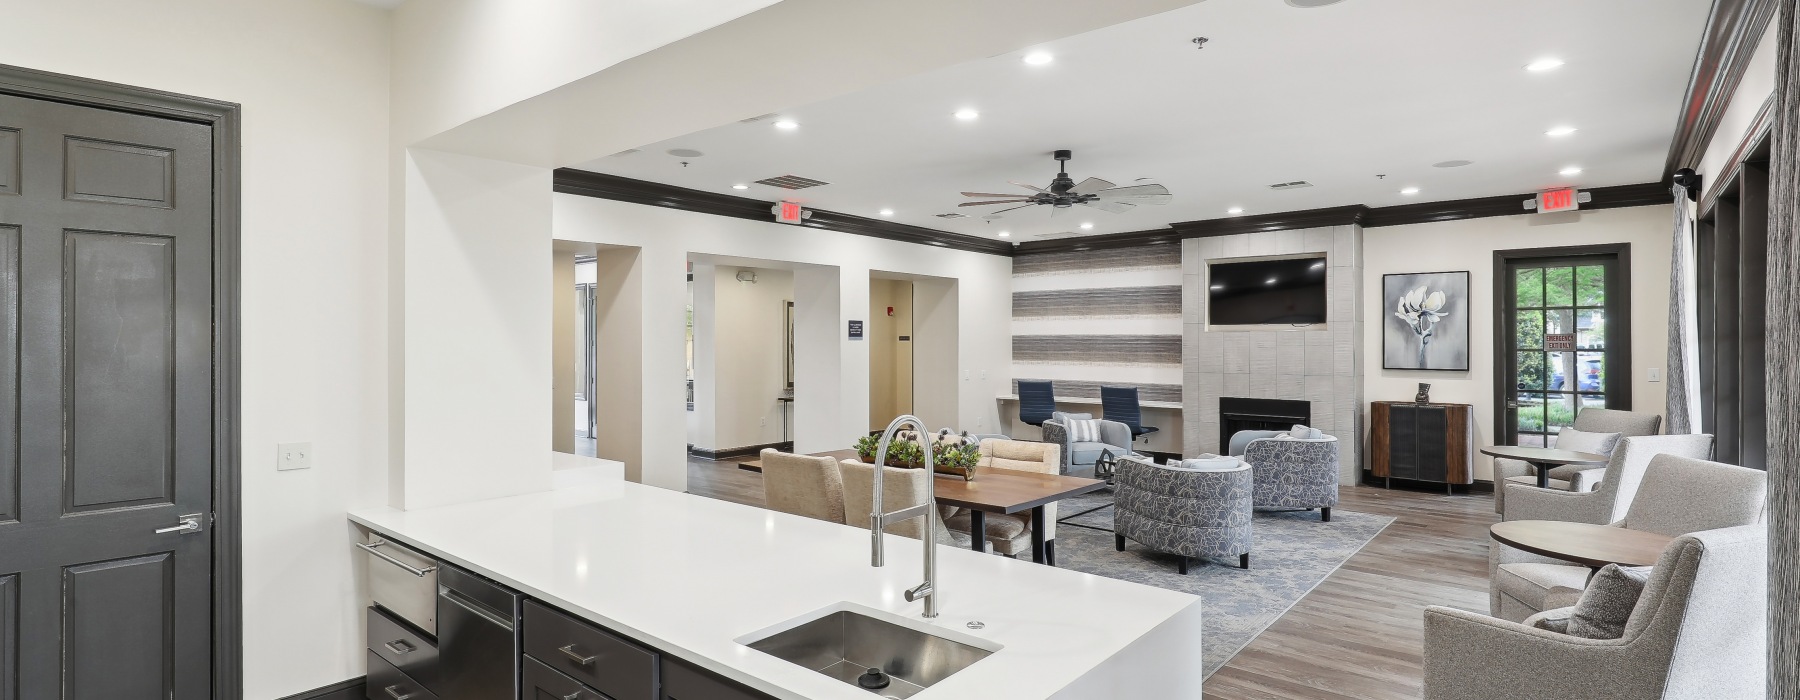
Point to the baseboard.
(1478, 486)
(730, 452)
(342, 690)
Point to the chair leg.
(1244, 560)
(1324, 515)
(1119, 542)
(1181, 567)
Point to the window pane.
(1531, 412)
(1531, 371)
(1531, 287)
(1590, 329)
(1530, 332)
(1590, 367)
(1590, 285)
(1559, 412)
(1559, 286)
(1562, 366)
(1559, 321)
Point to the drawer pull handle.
(572, 696)
(576, 656)
(396, 694)
(389, 558)
(400, 646)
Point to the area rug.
(1291, 552)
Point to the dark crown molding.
(624, 189)
(1732, 31)
(1614, 197)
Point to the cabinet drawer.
(620, 669)
(387, 683)
(545, 683)
(413, 653)
(681, 681)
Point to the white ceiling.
(1333, 95)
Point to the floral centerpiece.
(954, 454)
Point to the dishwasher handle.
(384, 556)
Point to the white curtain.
(1684, 349)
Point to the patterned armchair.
(1293, 472)
(1198, 508)
(1078, 458)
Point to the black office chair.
(1037, 401)
(1120, 403)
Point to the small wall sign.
(856, 330)
(1559, 342)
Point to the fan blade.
(988, 194)
(1033, 188)
(1114, 207)
(997, 201)
(997, 214)
(1091, 185)
(1140, 194)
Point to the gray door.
(105, 401)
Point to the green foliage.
(866, 446)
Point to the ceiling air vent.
(625, 152)
(754, 120)
(792, 182)
(951, 215)
(1297, 184)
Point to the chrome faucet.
(878, 521)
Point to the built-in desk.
(1165, 415)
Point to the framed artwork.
(1426, 324)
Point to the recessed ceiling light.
(1308, 4)
(1571, 170)
(1560, 131)
(1038, 58)
(1085, 225)
(740, 187)
(967, 115)
(1235, 210)
(1452, 163)
(1004, 234)
(1544, 64)
(887, 212)
(1409, 190)
(786, 125)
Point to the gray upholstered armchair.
(1197, 508)
(1678, 495)
(1078, 458)
(1590, 420)
(1697, 633)
(1603, 495)
(1291, 472)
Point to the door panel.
(1555, 343)
(118, 304)
(105, 403)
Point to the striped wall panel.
(1106, 302)
(1136, 258)
(1098, 349)
(1086, 319)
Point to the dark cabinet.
(682, 681)
(1421, 442)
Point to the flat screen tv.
(1284, 292)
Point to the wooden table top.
(1543, 455)
(993, 490)
(1582, 543)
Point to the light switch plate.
(293, 455)
(1655, 374)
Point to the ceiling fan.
(1064, 192)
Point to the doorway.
(890, 339)
(119, 539)
(1563, 332)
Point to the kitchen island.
(690, 576)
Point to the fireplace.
(1236, 414)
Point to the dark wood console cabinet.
(1422, 442)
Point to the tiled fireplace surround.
(1322, 365)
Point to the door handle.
(189, 523)
(395, 694)
(389, 558)
(400, 646)
(576, 657)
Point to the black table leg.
(977, 530)
(1050, 552)
(1037, 535)
(1543, 474)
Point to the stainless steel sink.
(845, 644)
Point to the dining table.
(1543, 458)
(996, 491)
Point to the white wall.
(315, 210)
(831, 287)
(1470, 245)
(937, 365)
(735, 399)
(1740, 114)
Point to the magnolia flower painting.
(1429, 325)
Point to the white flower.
(1421, 310)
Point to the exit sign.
(789, 213)
(1557, 200)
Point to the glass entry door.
(1562, 355)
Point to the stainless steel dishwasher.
(478, 640)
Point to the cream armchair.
(1011, 534)
(803, 485)
(1592, 420)
(1698, 633)
(900, 489)
(1609, 496)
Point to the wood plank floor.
(1360, 634)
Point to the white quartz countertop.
(688, 575)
